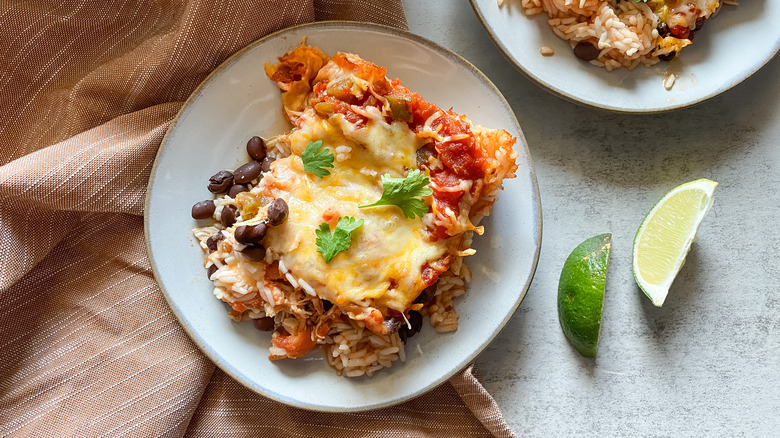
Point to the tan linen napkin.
(88, 345)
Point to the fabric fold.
(45, 194)
(439, 413)
(90, 347)
(479, 401)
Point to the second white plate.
(731, 47)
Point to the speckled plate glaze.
(729, 49)
(236, 102)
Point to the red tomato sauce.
(462, 156)
(290, 72)
(430, 272)
(336, 106)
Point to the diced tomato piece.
(296, 344)
(431, 271)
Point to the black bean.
(255, 253)
(265, 166)
(699, 23)
(415, 320)
(277, 212)
(229, 215)
(392, 324)
(211, 242)
(220, 182)
(247, 172)
(426, 294)
(255, 147)
(211, 270)
(265, 324)
(236, 189)
(248, 234)
(586, 51)
(203, 209)
(667, 57)
(663, 30)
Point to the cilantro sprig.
(405, 193)
(329, 244)
(315, 160)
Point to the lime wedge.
(581, 293)
(665, 236)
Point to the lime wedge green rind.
(665, 236)
(581, 293)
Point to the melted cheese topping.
(683, 12)
(383, 265)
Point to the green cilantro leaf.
(315, 160)
(331, 244)
(405, 193)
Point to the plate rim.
(573, 99)
(463, 363)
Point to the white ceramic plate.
(731, 47)
(236, 102)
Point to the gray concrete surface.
(708, 362)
